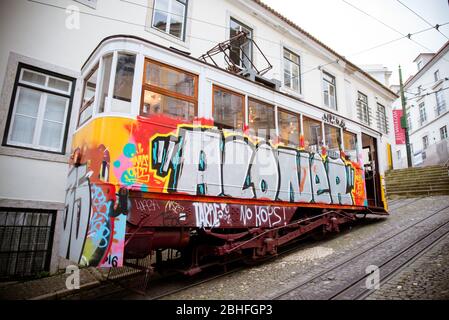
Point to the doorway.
(371, 169)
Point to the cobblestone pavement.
(269, 279)
(426, 278)
(49, 287)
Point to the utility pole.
(404, 124)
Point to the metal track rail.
(352, 258)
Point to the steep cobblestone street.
(425, 280)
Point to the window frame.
(251, 53)
(359, 101)
(267, 136)
(166, 92)
(436, 75)
(326, 82)
(217, 87)
(425, 142)
(440, 106)
(91, 102)
(383, 127)
(298, 116)
(13, 105)
(320, 143)
(443, 129)
(422, 113)
(299, 91)
(169, 14)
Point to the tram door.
(371, 167)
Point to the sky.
(348, 31)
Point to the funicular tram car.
(174, 153)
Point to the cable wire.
(419, 16)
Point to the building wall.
(37, 35)
(430, 128)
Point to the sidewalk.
(53, 287)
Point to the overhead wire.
(419, 16)
(312, 68)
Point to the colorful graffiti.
(166, 156)
(204, 162)
(93, 230)
(169, 213)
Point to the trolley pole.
(404, 124)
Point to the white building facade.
(44, 46)
(427, 116)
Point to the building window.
(399, 154)
(419, 65)
(313, 134)
(443, 133)
(169, 91)
(350, 140)
(422, 114)
(409, 122)
(27, 238)
(329, 91)
(262, 119)
(419, 90)
(241, 52)
(441, 103)
(292, 71)
(382, 121)
(228, 109)
(363, 109)
(169, 16)
(289, 128)
(425, 142)
(40, 110)
(436, 75)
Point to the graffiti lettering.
(262, 216)
(99, 230)
(209, 215)
(76, 215)
(146, 205)
(205, 162)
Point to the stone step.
(417, 173)
(422, 178)
(414, 180)
(417, 181)
(420, 192)
(417, 188)
(418, 168)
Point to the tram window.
(313, 134)
(350, 140)
(169, 91)
(155, 103)
(170, 79)
(333, 138)
(105, 81)
(123, 86)
(90, 86)
(289, 128)
(228, 109)
(261, 119)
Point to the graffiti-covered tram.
(173, 153)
